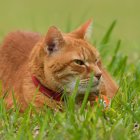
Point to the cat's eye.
(79, 62)
(98, 62)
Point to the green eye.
(79, 62)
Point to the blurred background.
(38, 15)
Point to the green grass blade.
(87, 93)
(107, 35)
(115, 54)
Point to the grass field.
(120, 49)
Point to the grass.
(119, 122)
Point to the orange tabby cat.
(37, 67)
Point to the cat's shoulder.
(19, 42)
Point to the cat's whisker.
(84, 80)
(50, 61)
(60, 90)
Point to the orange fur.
(53, 60)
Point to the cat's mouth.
(83, 87)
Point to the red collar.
(47, 92)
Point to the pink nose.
(98, 75)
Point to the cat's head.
(62, 58)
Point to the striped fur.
(52, 59)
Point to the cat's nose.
(98, 75)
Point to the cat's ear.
(84, 31)
(53, 40)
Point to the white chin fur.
(82, 88)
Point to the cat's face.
(75, 60)
(69, 57)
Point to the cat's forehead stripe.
(89, 53)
